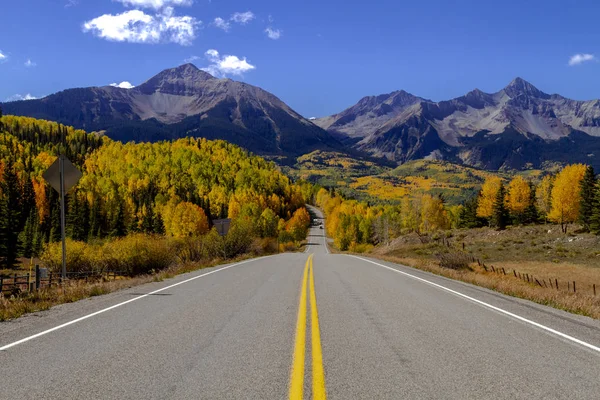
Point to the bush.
(238, 239)
(454, 260)
(132, 255)
(190, 249)
(81, 257)
(140, 254)
(213, 245)
(263, 246)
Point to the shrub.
(238, 239)
(454, 260)
(213, 245)
(81, 257)
(190, 249)
(140, 254)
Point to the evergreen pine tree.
(96, 220)
(84, 218)
(148, 220)
(73, 223)
(10, 219)
(532, 216)
(595, 218)
(500, 212)
(159, 226)
(588, 198)
(118, 228)
(468, 215)
(27, 200)
(27, 236)
(55, 232)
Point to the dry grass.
(578, 303)
(539, 251)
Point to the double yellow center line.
(318, 374)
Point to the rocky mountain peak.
(520, 87)
(183, 80)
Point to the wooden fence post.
(574, 289)
(37, 277)
(594, 289)
(556, 282)
(515, 272)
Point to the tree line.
(570, 196)
(172, 188)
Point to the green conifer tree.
(588, 198)
(500, 212)
(10, 219)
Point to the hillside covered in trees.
(572, 195)
(171, 188)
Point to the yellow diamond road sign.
(72, 175)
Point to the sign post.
(222, 225)
(62, 176)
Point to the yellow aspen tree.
(184, 219)
(234, 209)
(566, 196)
(543, 196)
(518, 195)
(489, 190)
(433, 215)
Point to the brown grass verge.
(579, 303)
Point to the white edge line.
(8, 346)
(500, 310)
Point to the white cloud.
(123, 85)
(3, 57)
(221, 66)
(135, 26)
(156, 4)
(273, 33)
(191, 59)
(242, 17)
(580, 58)
(30, 64)
(222, 24)
(19, 97)
(71, 3)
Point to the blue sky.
(318, 56)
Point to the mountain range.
(179, 102)
(517, 127)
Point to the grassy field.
(535, 252)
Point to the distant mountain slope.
(512, 128)
(184, 101)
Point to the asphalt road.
(245, 331)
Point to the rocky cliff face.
(490, 130)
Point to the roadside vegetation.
(518, 235)
(140, 209)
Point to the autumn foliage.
(173, 188)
